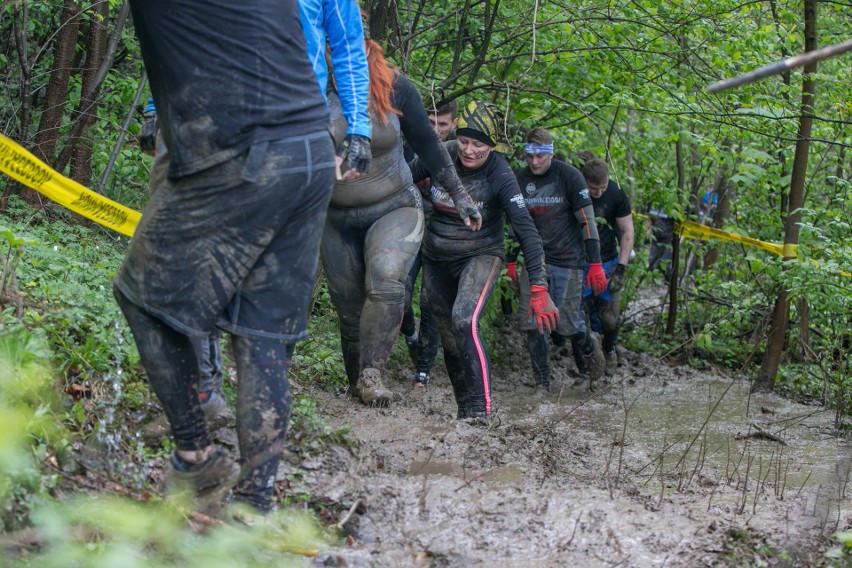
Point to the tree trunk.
(681, 179)
(765, 380)
(81, 145)
(804, 330)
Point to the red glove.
(546, 314)
(596, 279)
(512, 271)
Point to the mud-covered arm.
(581, 204)
(586, 218)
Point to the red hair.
(382, 75)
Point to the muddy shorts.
(235, 246)
(565, 286)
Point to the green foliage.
(111, 531)
(841, 556)
(31, 419)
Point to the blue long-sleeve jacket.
(340, 21)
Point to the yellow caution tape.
(692, 230)
(21, 165)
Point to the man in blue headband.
(558, 200)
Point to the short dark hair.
(449, 107)
(595, 171)
(539, 135)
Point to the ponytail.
(382, 76)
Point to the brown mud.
(667, 466)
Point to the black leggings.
(427, 338)
(457, 296)
(263, 396)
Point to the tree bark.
(765, 380)
(81, 147)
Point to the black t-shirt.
(226, 74)
(494, 190)
(552, 199)
(610, 206)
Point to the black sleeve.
(575, 183)
(416, 127)
(622, 204)
(506, 186)
(419, 171)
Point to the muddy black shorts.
(235, 246)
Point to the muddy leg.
(263, 415)
(539, 350)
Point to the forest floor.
(668, 466)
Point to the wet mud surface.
(664, 467)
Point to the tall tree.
(765, 380)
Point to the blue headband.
(530, 148)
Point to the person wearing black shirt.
(461, 268)
(558, 200)
(230, 239)
(615, 227)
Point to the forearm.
(593, 250)
(625, 245)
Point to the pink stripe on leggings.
(480, 303)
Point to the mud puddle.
(562, 482)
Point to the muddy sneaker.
(595, 360)
(584, 381)
(216, 410)
(370, 389)
(611, 363)
(421, 379)
(488, 421)
(208, 480)
(540, 393)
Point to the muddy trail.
(667, 466)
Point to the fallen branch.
(762, 434)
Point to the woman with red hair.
(375, 224)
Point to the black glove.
(148, 134)
(616, 278)
(466, 207)
(449, 180)
(357, 149)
